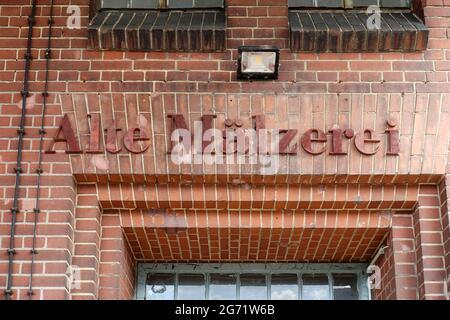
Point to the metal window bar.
(238, 287)
(176, 287)
(330, 286)
(300, 287)
(207, 286)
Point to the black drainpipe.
(18, 169)
(42, 132)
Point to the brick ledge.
(347, 31)
(150, 30)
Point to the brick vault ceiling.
(350, 236)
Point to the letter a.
(65, 134)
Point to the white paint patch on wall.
(30, 103)
(100, 162)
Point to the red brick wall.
(386, 263)
(405, 260)
(445, 221)
(430, 256)
(117, 266)
(73, 229)
(87, 241)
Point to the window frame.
(344, 6)
(268, 269)
(206, 34)
(162, 5)
(416, 7)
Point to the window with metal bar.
(356, 26)
(158, 25)
(350, 4)
(252, 282)
(161, 4)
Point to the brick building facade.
(107, 211)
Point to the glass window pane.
(315, 287)
(345, 287)
(284, 287)
(222, 287)
(191, 287)
(160, 286)
(253, 287)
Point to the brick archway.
(129, 231)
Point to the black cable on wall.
(18, 169)
(42, 132)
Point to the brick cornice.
(280, 197)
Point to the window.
(316, 287)
(348, 26)
(345, 287)
(158, 25)
(253, 286)
(222, 286)
(252, 282)
(161, 4)
(160, 286)
(191, 286)
(350, 3)
(284, 286)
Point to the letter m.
(179, 124)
